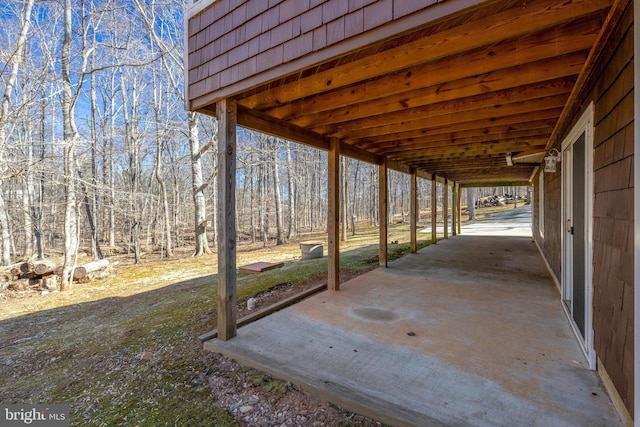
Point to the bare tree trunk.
(70, 138)
(91, 201)
(276, 191)
(95, 248)
(109, 172)
(354, 202)
(471, 203)
(165, 203)
(402, 193)
(214, 205)
(292, 190)
(198, 187)
(26, 207)
(312, 206)
(130, 112)
(343, 199)
(36, 211)
(176, 210)
(16, 62)
(6, 235)
(166, 221)
(252, 201)
(262, 222)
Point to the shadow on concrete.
(468, 332)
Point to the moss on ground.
(124, 351)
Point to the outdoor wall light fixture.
(551, 160)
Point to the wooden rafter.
(507, 55)
(449, 97)
(531, 17)
(506, 103)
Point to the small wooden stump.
(259, 267)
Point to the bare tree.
(17, 61)
(276, 190)
(291, 186)
(166, 215)
(172, 53)
(471, 203)
(71, 137)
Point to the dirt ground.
(125, 350)
(255, 399)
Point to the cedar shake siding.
(550, 244)
(613, 213)
(610, 86)
(233, 40)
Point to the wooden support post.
(445, 208)
(459, 210)
(333, 215)
(454, 209)
(636, 215)
(414, 211)
(227, 287)
(384, 209)
(434, 210)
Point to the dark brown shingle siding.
(233, 39)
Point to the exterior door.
(577, 208)
(575, 292)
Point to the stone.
(246, 408)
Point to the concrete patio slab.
(468, 332)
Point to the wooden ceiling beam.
(519, 21)
(492, 134)
(556, 75)
(459, 120)
(260, 122)
(398, 86)
(510, 90)
(456, 165)
(410, 149)
(481, 179)
(478, 127)
(490, 172)
(498, 183)
(468, 150)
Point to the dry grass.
(124, 351)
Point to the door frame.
(584, 125)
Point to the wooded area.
(97, 153)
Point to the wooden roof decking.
(450, 98)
